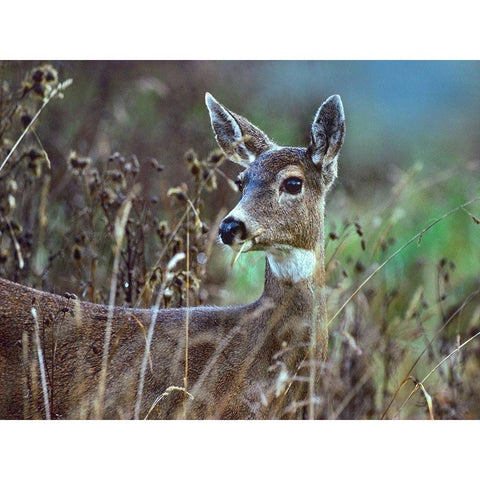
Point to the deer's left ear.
(326, 137)
(241, 141)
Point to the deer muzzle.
(232, 231)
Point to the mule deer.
(254, 361)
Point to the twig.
(41, 364)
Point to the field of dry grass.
(403, 286)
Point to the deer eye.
(292, 185)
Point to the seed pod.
(191, 157)
(39, 89)
(51, 75)
(26, 119)
(178, 192)
(37, 75)
(359, 267)
(154, 163)
(116, 176)
(215, 158)
(162, 229)
(135, 165)
(12, 186)
(78, 164)
(77, 252)
(3, 256)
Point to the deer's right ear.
(241, 141)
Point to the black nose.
(231, 229)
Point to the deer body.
(243, 362)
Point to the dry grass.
(101, 229)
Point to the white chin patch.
(289, 263)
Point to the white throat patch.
(289, 263)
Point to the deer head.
(283, 189)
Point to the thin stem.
(452, 316)
(393, 255)
(119, 232)
(187, 319)
(419, 385)
(52, 94)
(41, 364)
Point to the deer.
(256, 361)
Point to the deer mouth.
(251, 243)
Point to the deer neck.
(294, 286)
(293, 271)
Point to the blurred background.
(397, 111)
(399, 114)
(411, 154)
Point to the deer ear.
(326, 137)
(241, 141)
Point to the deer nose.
(231, 230)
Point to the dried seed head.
(190, 156)
(163, 229)
(3, 256)
(35, 162)
(39, 89)
(116, 176)
(77, 252)
(154, 163)
(134, 165)
(11, 202)
(34, 154)
(108, 196)
(215, 158)
(359, 267)
(26, 119)
(12, 186)
(51, 75)
(37, 75)
(93, 180)
(78, 164)
(180, 192)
